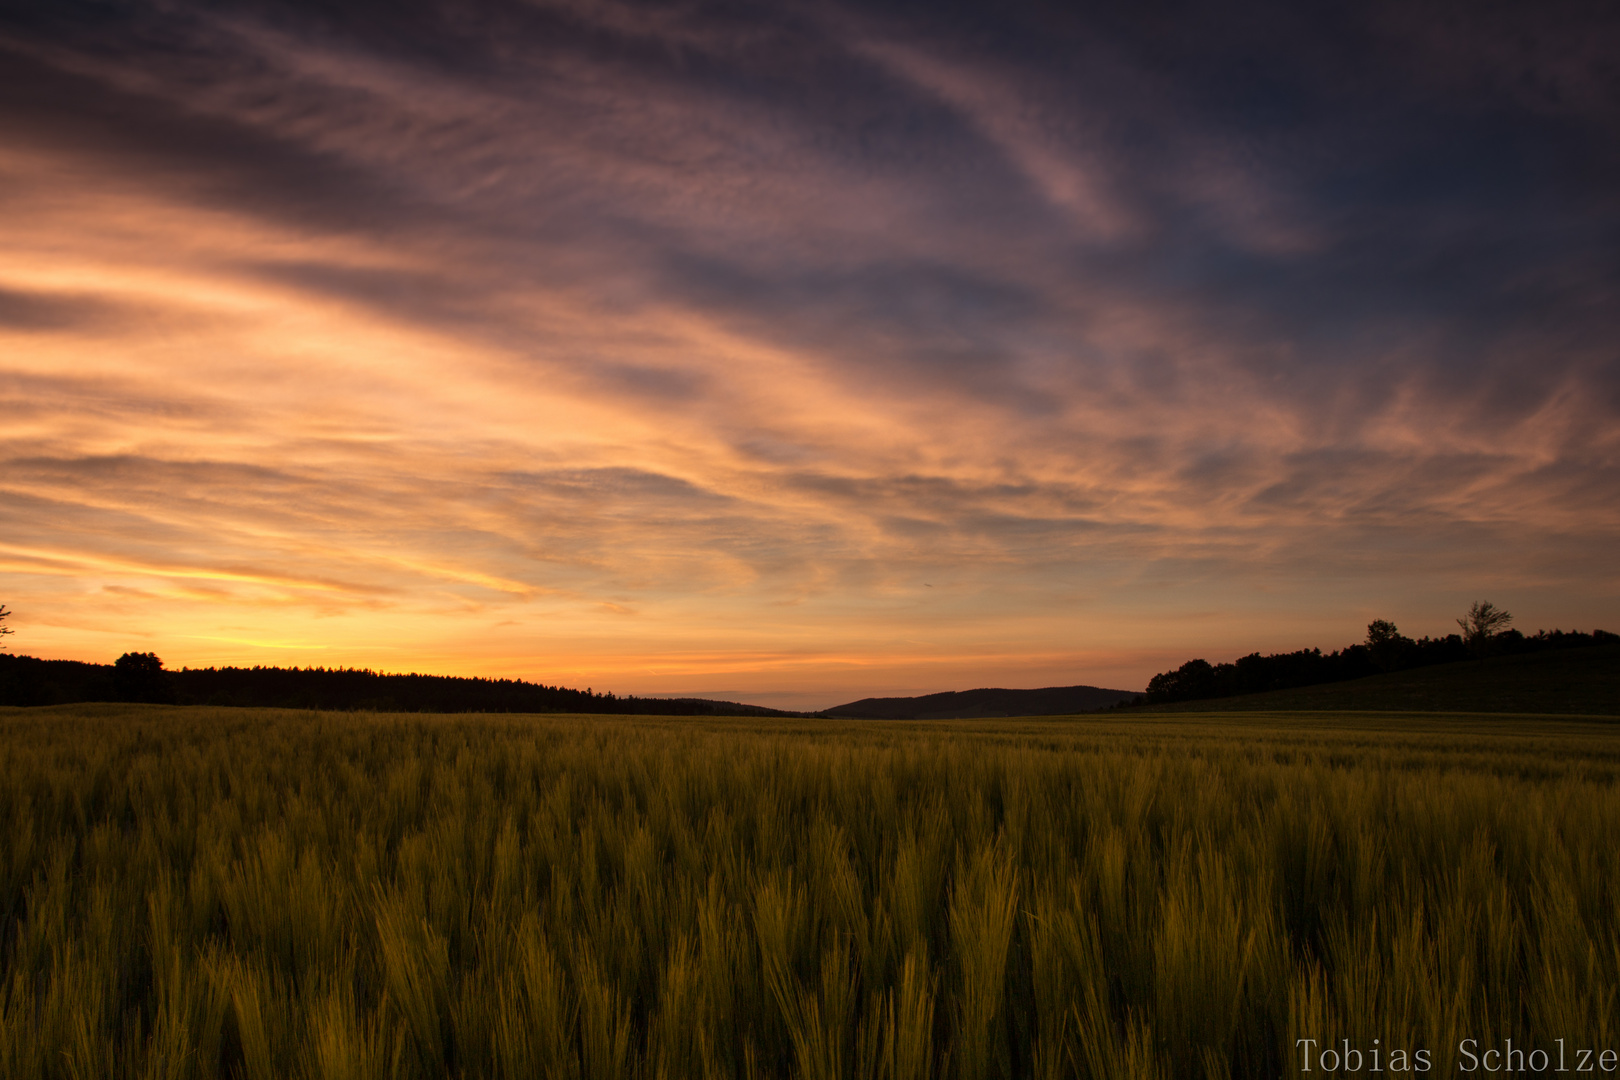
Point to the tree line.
(141, 677)
(1485, 632)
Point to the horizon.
(805, 701)
(806, 353)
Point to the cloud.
(592, 335)
(1020, 129)
(44, 312)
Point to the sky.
(799, 352)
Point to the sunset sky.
(797, 352)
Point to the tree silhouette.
(139, 676)
(1485, 620)
(5, 613)
(1192, 680)
(1381, 632)
(1387, 646)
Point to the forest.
(141, 677)
(1384, 650)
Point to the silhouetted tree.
(1387, 646)
(139, 676)
(1485, 620)
(5, 614)
(1192, 680)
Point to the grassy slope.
(1571, 681)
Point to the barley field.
(248, 893)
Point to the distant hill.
(1560, 681)
(966, 704)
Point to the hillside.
(989, 702)
(1583, 681)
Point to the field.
(214, 892)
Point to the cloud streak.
(572, 340)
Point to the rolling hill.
(988, 702)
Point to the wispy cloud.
(682, 348)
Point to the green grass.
(214, 892)
(1562, 681)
